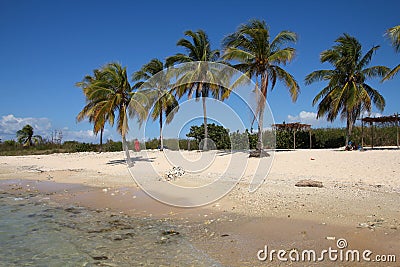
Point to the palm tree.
(198, 52)
(92, 109)
(158, 90)
(110, 98)
(25, 136)
(347, 92)
(394, 36)
(260, 58)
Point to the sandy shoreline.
(359, 201)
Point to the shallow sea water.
(37, 232)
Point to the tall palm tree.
(110, 98)
(158, 91)
(347, 92)
(25, 136)
(394, 36)
(92, 109)
(198, 52)
(260, 58)
(117, 94)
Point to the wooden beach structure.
(393, 119)
(294, 126)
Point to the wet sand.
(224, 235)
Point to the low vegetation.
(222, 139)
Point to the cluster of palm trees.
(251, 50)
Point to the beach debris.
(224, 235)
(165, 238)
(363, 225)
(170, 232)
(99, 258)
(74, 210)
(174, 173)
(117, 238)
(309, 183)
(372, 224)
(330, 238)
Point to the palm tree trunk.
(262, 99)
(205, 147)
(101, 139)
(123, 134)
(203, 98)
(161, 137)
(346, 142)
(260, 127)
(126, 148)
(349, 127)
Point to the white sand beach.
(359, 200)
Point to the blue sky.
(47, 46)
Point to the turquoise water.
(37, 232)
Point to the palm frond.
(392, 73)
(394, 36)
(375, 71)
(282, 56)
(367, 57)
(290, 82)
(283, 38)
(317, 76)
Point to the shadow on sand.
(133, 159)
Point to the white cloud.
(82, 136)
(10, 124)
(372, 114)
(306, 117)
(85, 135)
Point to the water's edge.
(37, 231)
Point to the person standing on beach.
(137, 145)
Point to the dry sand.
(359, 200)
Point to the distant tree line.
(321, 138)
(28, 143)
(222, 139)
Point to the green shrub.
(217, 133)
(85, 147)
(112, 146)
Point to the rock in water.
(309, 183)
(170, 232)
